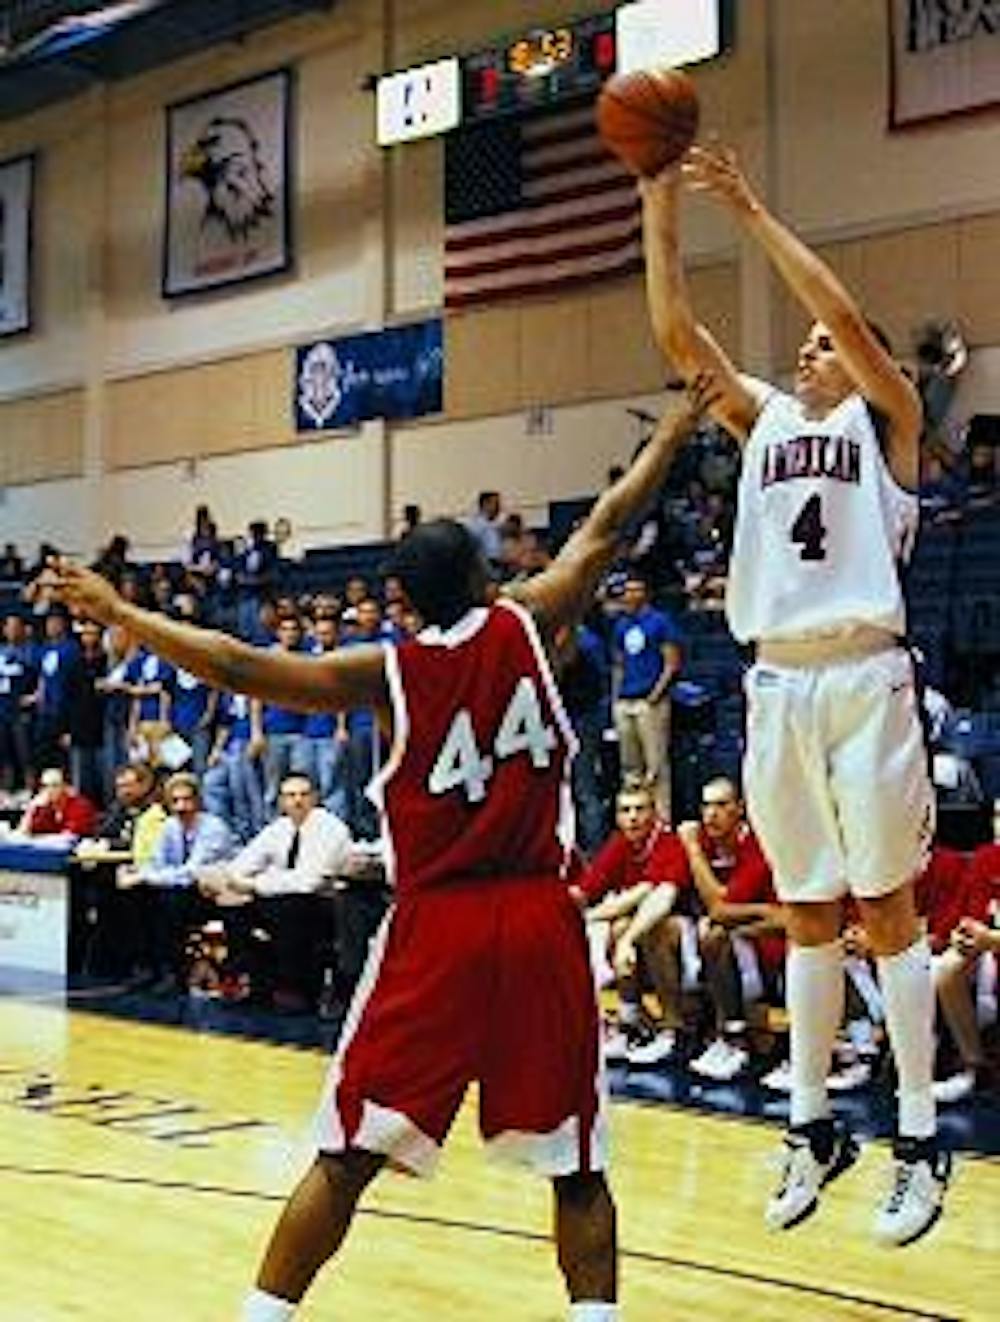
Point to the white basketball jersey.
(821, 527)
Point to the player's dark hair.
(442, 571)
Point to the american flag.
(533, 205)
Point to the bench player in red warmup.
(477, 820)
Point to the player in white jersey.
(836, 774)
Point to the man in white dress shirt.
(280, 870)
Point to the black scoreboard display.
(539, 67)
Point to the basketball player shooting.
(475, 797)
(836, 773)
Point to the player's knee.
(891, 921)
(816, 924)
(349, 1172)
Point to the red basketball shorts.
(486, 982)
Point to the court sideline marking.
(480, 1228)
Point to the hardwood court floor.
(141, 1168)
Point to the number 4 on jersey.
(808, 530)
(460, 764)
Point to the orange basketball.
(648, 118)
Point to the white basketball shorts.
(836, 778)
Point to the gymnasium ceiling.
(54, 49)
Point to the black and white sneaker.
(814, 1155)
(921, 1175)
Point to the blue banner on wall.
(394, 373)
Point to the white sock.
(815, 994)
(261, 1307)
(593, 1312)
(908, 991)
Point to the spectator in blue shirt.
(18, 681)
(647, 653)
(325, 737)
(364, 744)
(149, 678)
(55, 657)
(192, 715)
(233, 787)
(121, 649)
(282, 727)
(190, 841)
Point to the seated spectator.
(277, 875)
(941, 491)
(161, 590)
(101, 935)
(635, 882)
(981, 472)
(190, 841)
(965, 972)
(135, 787)
(742, 941)
(355, 592)
(57, 809)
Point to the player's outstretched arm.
(350, 678)
(562, 592)
(713, 169)
(689, 346)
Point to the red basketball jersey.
(477, 782)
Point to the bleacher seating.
(329, 567)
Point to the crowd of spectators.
(92, 724)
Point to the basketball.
(648, 118)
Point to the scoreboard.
(539, 67)
(548, 64)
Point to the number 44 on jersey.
(461, 765)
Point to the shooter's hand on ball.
(86, 593)
(714, 169)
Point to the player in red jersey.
(478, 825)
(639, 883)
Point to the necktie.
(293, 850)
